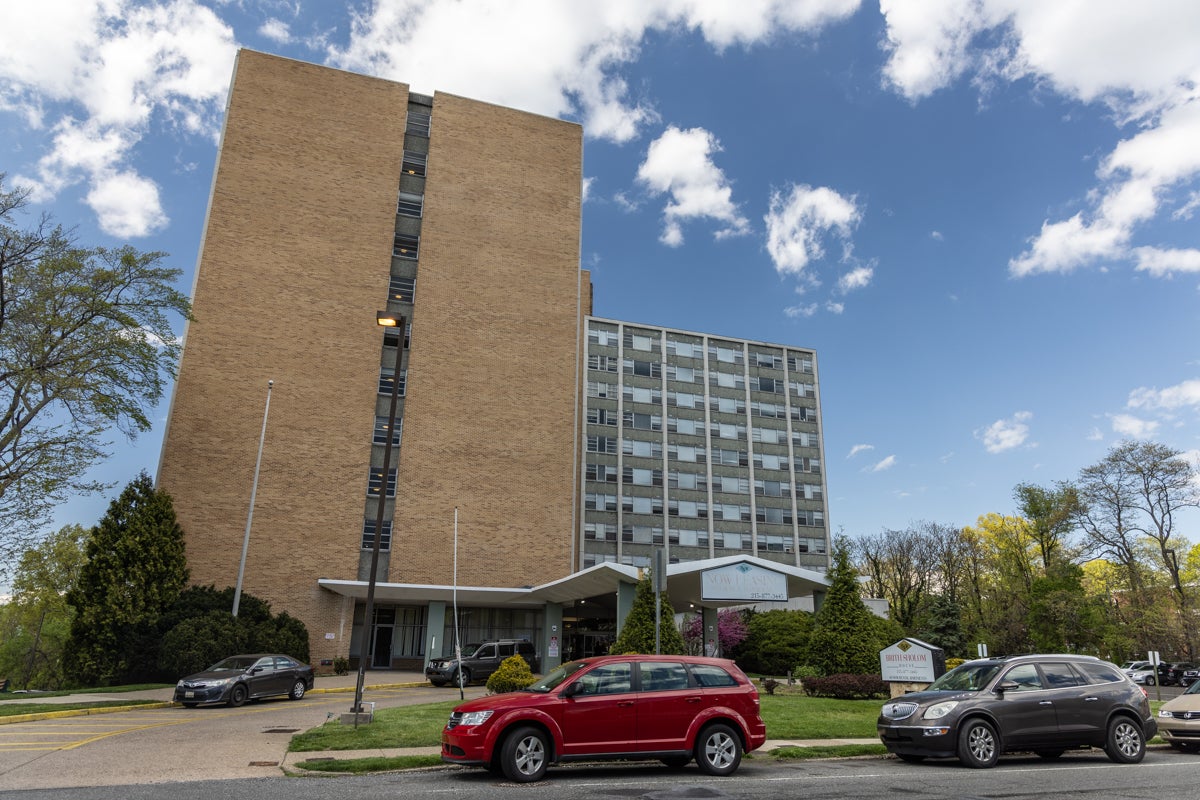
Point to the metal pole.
(237, 592)
(457, 637)
(369, 611)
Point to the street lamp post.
(237, 592)
(388, 320)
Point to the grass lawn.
(788, 716)
(26, 707)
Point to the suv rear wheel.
(718, 750)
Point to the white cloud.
(937, 236)
(857, 278)
(679, 163)
(276, 30)
(799, 221)
(834, 308)
(1160, 263)
(1005, 434)
(860, 448)
(1173, 397)
(555, 58)
(1133, 427)
(1095, 435)
(885, 464)
(1145, 67)
(100, 75)
(797, 312)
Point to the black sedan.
(236, 679)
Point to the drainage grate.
(282, 730)
(264, 763)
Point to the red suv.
(671, 708)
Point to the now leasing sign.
(743, 582)
(907, 661)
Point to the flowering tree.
(731, 631)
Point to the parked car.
(987, 707)
(670, 708)
(479, 663)
(1144, 673)
(1179, 719)
(1190, 676)
(236, 679)
(1174, 672)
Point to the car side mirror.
(573, 689)
(1007, 686)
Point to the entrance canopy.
(711, 583)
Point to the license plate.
(189, 694)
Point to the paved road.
(176, 744)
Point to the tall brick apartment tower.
(337, 195)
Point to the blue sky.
(982, 214)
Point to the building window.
(600, 389)
(727, 405)
(778, 516)
(647, 369)
(684, 374)
(402, 290)
(418, 123)
(605, 473)
(728, 354)
(730, 484)
(600, 502)
(413, 163)
(388, 376)
(772, 360)
(381, 428)
(687, 453)
(375, 480)
(682, 400)
(800, 364)
(599, 532)
(602, 444)
(636, 394)
(602, 416)
(642, 477)
(642, 505)
(808, 464)
(646, 342)
(602, 337)
(689, 509)
(689, 427)
(725, 430)
(410, 205)
(368, 537)
(643, 422)
(732, 512)
(685, 349)
(687, 480)
(773, 488)
(771, 385)
(770, 435)
(813, 491)
(688, 538)
(641, 534)
(603, 363)
(801, 389)
(391, 337)
(727, 380)
(404, 246)
(641, 449)
(775, 544)
(770, 461)
(732, 458)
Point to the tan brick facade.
(295, 262)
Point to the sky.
(983, 215)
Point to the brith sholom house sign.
(911, 661)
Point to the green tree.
(86, 345)
(637, 633)
(776, 641)
(940, 624)
(135, 570)
(34, 626)
(844, 636)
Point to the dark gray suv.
(480, 664)
(1045, 704)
